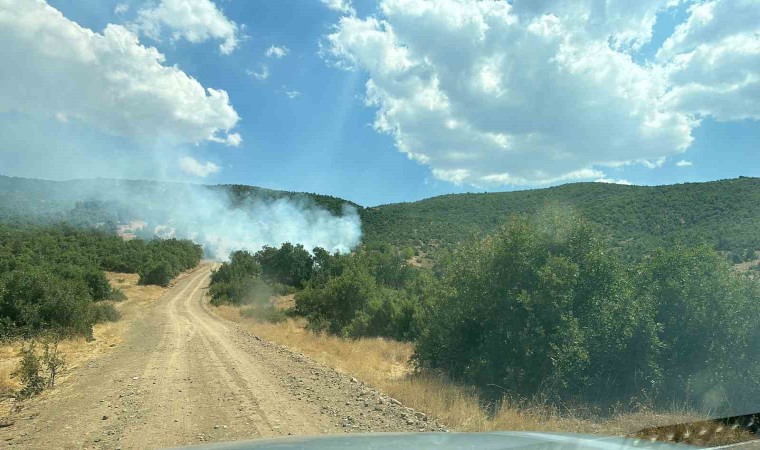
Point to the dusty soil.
(181, 376)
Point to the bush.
(353, 305)
(105, 312)
(98, 285)
(290, 264)
(32, 300)
(159, 273)
(537, 307)
(544, 307)
(117, 295)
(335, 305)
(30, 371)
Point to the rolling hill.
(723, 213)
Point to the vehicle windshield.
(229, 220)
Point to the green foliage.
(30, 371)
(105, 312)
(32, 299)
(117, 295)
(544, 307)
(371, 292)
(290, 264)
(723, 214)
(39, 371)
(157, 272)
(50, 276)
(52, 359)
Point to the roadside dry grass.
(78, 351)
(384, 364)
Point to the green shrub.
(159, 273)
(290, 264)
(543, 307)
(335, 305)
(30, 371)
(538, 306)
(105, 312)
(32, 300)
(117, 295)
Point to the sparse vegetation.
(30, 371)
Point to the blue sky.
(307, 126)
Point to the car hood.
(443, 441)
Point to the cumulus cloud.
(193, 20)
(713, 61)
(193, 167)
(683, 163)
(277, 52)
(112, 82)
(489, 94)
(120, 8)
(342, 6)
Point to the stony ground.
(184, 376)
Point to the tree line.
(544, 306)
(52, 279)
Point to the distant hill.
(86, 202)
(725, 213)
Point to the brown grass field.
(385, 365)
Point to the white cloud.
(342, 6)
(261, 75)
(683, 163)
(713, 61)
(193, 20)
(192, 166)
(277, 52)
(613, 181)
(121, 8)
(487, 94)
(233, 140)
(111, 81)
(293, 94)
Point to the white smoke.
(220, 222)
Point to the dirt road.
(184, 376)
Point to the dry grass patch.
(385, 365)
(78, 351)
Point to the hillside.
(87, 202)
(723, 213)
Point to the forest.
(722, 214)
(52, 277)
(540, 306)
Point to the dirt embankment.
(179, 375)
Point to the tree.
(156, 272)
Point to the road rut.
(185, 376)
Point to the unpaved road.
(184, 376)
